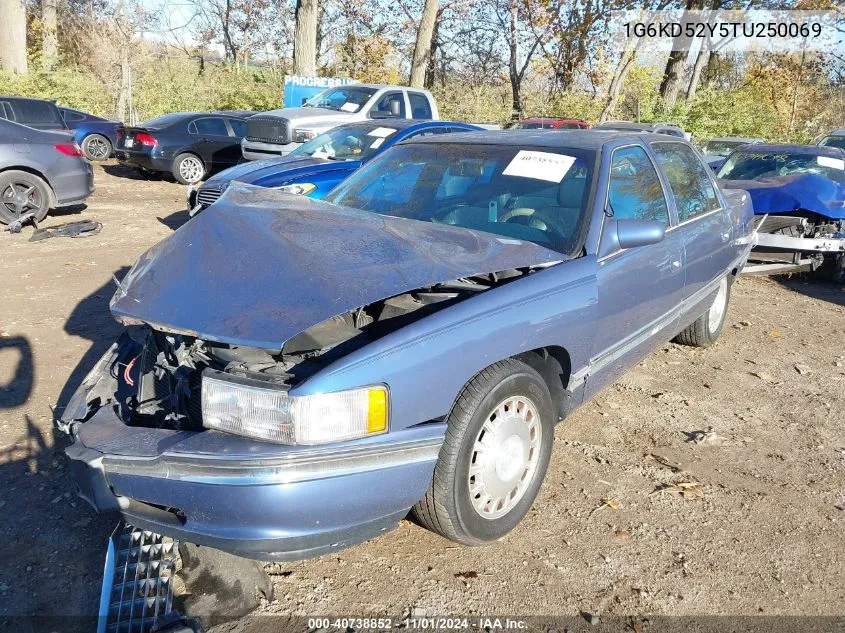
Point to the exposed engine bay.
(158, 374)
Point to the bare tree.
(13, 36)
(422, 48)
(671, 84)
(49, 39)
(305, 38)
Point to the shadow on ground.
(51, 560)
(814, 285)
(175, 219)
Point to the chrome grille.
(267, 130)
(137, 581)
(206, 196)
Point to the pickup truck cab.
(279, 132)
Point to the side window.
(391, 105)
(635, 191)
(71, 115)
(238, 127)
(210, 126)
(688, 179)
(420, 107)
(6, 111)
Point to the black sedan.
(188, 145)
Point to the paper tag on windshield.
(539, 165)
(827, 161)
(376, 143)
(349, 107)
(382, 132)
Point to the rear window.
(34, 111)
(238, 127)
(163, 121)
(420, 108)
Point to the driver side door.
(639, 289)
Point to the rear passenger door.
(640, 289)
(213, 142)
(703, 221)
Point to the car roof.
(576, 139)
(840, 131)
(737, 139)
(810, 150)
(550, 119)
(630, 125)
(22, 98)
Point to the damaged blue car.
(297, 375)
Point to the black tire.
(706, 328)
(448, 506)
(39, 196)
(96, 147)
(181, 169)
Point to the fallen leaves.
(663, 461)
(606, 503)
(687, 489)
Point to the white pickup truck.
(279, 132)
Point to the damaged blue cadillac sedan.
(298, 375)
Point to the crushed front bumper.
(249, 498)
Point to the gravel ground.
(704, 482)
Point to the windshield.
(358, 142)
(721, 148)
(748, 165)
(344, 99)
(534, 194)
(833, 141)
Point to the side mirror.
(622, 234)
(395, 107)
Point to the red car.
(542, 123)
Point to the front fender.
(426, 363)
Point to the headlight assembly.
(267, 413)
(300, 189)
(301, 136)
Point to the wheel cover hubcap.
(190, 169)
(717, 310)
(504, 457)
(20, 197)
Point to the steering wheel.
(536, 218)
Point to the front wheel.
(494, 457)
(706, 328)
(96, 147)
(188, 169)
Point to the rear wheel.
(21, 193)
(494, 457)
(707, 327)
(188, 169)
(96, 147)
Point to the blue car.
(798, 195)
(296, 375)
(96, 136)
(314, 168)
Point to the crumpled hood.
(810, 192)
(260, 266)
(275, 169)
